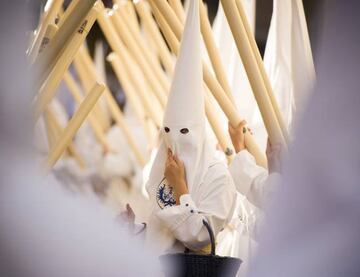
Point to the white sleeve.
(185, 221)
(250, 179)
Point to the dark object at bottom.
(195, 265)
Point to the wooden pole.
(138, 37)
(260, 64)
(152, 106)
(253, 72)
(87, 79)
(130, 12)
(178, 9)
(77, 95)
(54, 130)
(129, 90)
(120, 121)
(222, 137)
(74, 124)
(49, 18)
(214, 87)
(49, 34)
(48, 89)
(119, 48)
(150, 25)
(213, 52)
(152, 71)
(117, 114)
(51, 131)
(73, 19)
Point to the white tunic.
(252, 180)
(172, 228)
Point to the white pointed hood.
(186, 93)
(184, 120)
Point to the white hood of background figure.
(184, 123)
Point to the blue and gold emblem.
(165, 195)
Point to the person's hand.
(175, 175)
(127, 217)
(274, 157)
(237, 135)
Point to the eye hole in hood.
(184, 131)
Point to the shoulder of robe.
(217, 171)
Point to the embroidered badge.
(165, 195)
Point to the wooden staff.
(222, 137)
(150, 25)
(54, 130)
(214, 87)
(116, 112)
(260, 64)
(48, 89)
(151, 44)
(120, 121)
(152, 106)
(49, 34)
(51, 131)
(178, 9)
(119, 48)
(74, 124)
(253, 72)
(92, 72)
(152, 71)
(114, 109)
(129, 90)
(138, 37)
(77, 95)
(213, 52)
(53, 127)
(87, 79)
(99, 59)
(49, 18)
(130, 12)
(73, 19)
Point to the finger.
(177, 160)
(242, 124)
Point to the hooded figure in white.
(211, 192)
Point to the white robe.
(254, 185)
(314, 228)
(172, 228)
(252, 180)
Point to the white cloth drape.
(288, 58)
